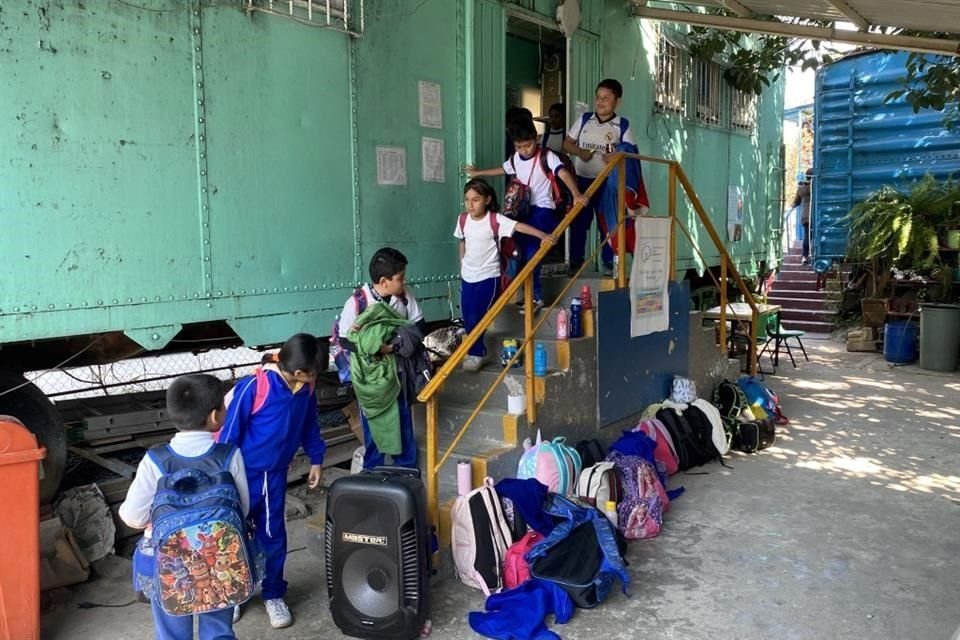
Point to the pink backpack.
(665, 453)
(515, 568)
(558, 466)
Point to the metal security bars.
(743, 113)
(710, 88)
(342, 15)
(672, 73)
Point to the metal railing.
(676, 177)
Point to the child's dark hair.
(556, 106)
(515, 114)
(191, 399)
(483, 187)
(386, 263)
(522, 130)
(302, 352)
(612, 85)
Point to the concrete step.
(818, 328)
(790, 316)
(795, 294)
(807, 304)
(799, 282)
(796, 269)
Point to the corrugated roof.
(867, 15)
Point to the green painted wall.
(165, 167)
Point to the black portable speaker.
(377, 554)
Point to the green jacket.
(374, 375)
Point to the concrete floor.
(848, 528)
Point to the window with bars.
(743, 112)
(342, 15)
(672, 64)
(710, 89)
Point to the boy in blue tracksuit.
(269, 416)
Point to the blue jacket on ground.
(270, 437)
(519, 614)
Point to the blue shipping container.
(862, 143)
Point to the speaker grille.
(328, 554)
(410, 562)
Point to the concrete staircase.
(795, 290)
(493, 443)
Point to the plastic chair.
(779, 336)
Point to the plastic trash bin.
(939, 336)
(20, 457)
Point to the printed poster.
(431, 105)
(391, 166)
(432, 153)
(734, 213)
(649, 300)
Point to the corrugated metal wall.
(863, 143)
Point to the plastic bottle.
(586, 297)
(576, 328)
(563, 324)
(540, 361)
(610, 510)
(508, 351)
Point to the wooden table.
(741, 312)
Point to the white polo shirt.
(530, 172)
(601, 137)
(406, 306)
(481, 257)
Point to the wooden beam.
(850, 14)
(949, 47)
(119, 468)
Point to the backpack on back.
(562, 196)
(506, 249)
(340, 356)
(599, 483)
(640, 512)
(516, 571)
(480, 537)
(558, 466)
(204, 559)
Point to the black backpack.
(591, 452)
(692, 436)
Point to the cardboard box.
(352, 413)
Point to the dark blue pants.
(476, 298)
(268, 496)
(216, 625)
(581, 227)
(408, 442)
(545, 220)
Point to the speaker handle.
(397, 471)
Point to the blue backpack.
(758, 394)
(204, 558)
(583, 554)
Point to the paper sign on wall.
(649, 301)
(431, 105)
(391, 166)
(734, 213)
(432, 152)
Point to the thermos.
(563, 326)
(576, 326)
(540, 361)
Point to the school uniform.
(268, 440)
(408, 307)
(553, 139)
(480, 269)
(543, 213)
(600, 137)
(135, 512)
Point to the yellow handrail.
(525, 278)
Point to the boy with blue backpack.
(191, 496)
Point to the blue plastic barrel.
(900, 341)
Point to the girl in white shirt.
(479, 230)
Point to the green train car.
(186, 169)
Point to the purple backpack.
(640, 511)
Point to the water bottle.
(576, 328)
(586, 297)
(610, 510)
(563, 326)
(508, 351)
(540, 361)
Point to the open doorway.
(536, 78)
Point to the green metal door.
(583, 70)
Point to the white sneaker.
(537, 305)
(279, 613)
(473, 363)
(236, 614)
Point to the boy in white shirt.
(591, 142)
(479, 230)
(530, 167)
